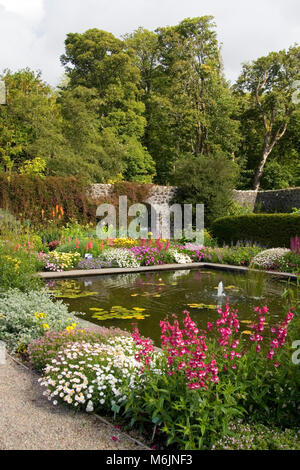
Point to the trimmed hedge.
(27, 196)
(269, 230)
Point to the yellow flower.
(45, 326)
(40, 315)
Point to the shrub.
(207, 180)
(95, 263)
(205, 385)
(151, 255)
(269, 230)
(258, 437)
(57, 261)
(235, 255)
(27, 196)
(42, 350)
(27, 316)
(18, 267)
(269, 259)
(122, 257)
(8, 223)
(93, 376)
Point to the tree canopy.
(144, 106)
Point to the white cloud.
(31, 10)
(32, 32)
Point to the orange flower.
(43, 212)
(61, 211)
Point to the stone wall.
(283, 200)
(158, 194)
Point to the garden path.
(28, 421)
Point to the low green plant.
(44, 349)
(25, 316)
(253, 436)
(269, 230)
(18, 267)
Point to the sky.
(32, 32)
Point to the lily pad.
(119, 312)
(203, 306)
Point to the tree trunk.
(264, 155)
(260, 169)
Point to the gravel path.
(29, 421)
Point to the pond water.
(146, 298)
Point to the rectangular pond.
(148, 297)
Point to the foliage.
(94, 263)
(26, 316)
(205, 384)
(30, 130)
(188, 105)
(267, 88)
(270, 230)
(207, 180)
(18, 268)
(152, 255)
(290, 263)
(257, 437)
(45, 348)
(58, 261)
(46, 200)
(33, 167)
(8, 223)
(116, 97)
(100, 381)
(269, 259)
(122, 257)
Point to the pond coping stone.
(162, 267)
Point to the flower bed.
(190, 394)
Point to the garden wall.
(283, 200)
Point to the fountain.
(220, 289)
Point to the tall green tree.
(269, 82)
(31, 121)
(101, 63)
(189, 106)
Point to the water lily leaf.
(119, 312)
(203, 306)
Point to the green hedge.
(27, 196)
(270, 230)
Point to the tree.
(188, 103)
(270, 83)
(31, 122)
(102, 64)
(208, 180)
